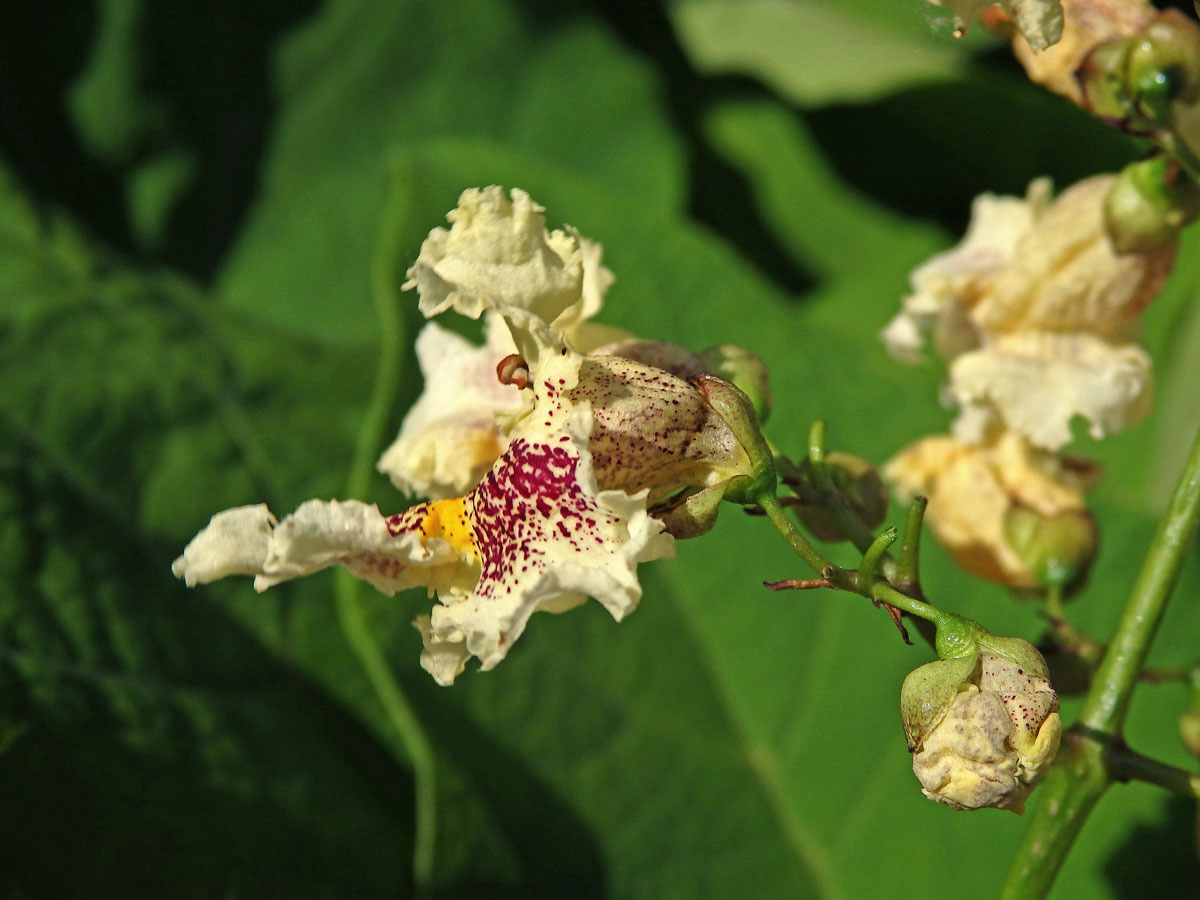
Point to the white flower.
(562, 512)
(1037, 317)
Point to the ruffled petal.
(497, 254)
(319, 534)
(1037, 382)
(451, 435)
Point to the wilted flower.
(1003, 509)
(1037, 317)
(983, 729)
(1040, 21)
(564, 512)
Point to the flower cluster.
(1037, 316)
(552, 472)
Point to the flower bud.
(744, 370)
(1057, 549)
(859, 483)
(1148, 204)
(983, 729)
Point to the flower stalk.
(1088, 766)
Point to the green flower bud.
(1164, 64)
(1102, 82)
(1148, 204)
(1057, 549)
(743, 369)
(859, 483)
(983, 729)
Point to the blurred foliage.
(191, 197)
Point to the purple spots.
(521, 509)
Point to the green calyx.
(1057, 549)
(1148, 204)
(859, 485)
(744, 370)
(737, 411)
(928, 692)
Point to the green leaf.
(154, 746)
(813, 52)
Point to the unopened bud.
(743, 369)
(984, 728)
(859, 483)
(1057, 549)
(1148, 204)
(1164, 63)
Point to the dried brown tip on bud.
(513, 370)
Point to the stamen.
(513, 370)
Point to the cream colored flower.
(1036, 291)
(974, 490)
(1040, 21)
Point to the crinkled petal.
(451, 435)
(319, 534)
(497, 254)
(236, 542)
(948, 285)
(1037, 382)
(1064, 274)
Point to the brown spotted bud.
(984, 729)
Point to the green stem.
(885, 593)
(769, 504)
(385, 270)
(908, 574)
(1084, 770)
(1129, 765)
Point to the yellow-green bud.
(1148, 204)
(859, 483)
(745, 370)
(1102, 81)
(1057, 549)
(983, 729)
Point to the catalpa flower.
(1005, 510)
(1037, 317)
(596, 445)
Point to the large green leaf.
(724, 739)
(813, 52)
